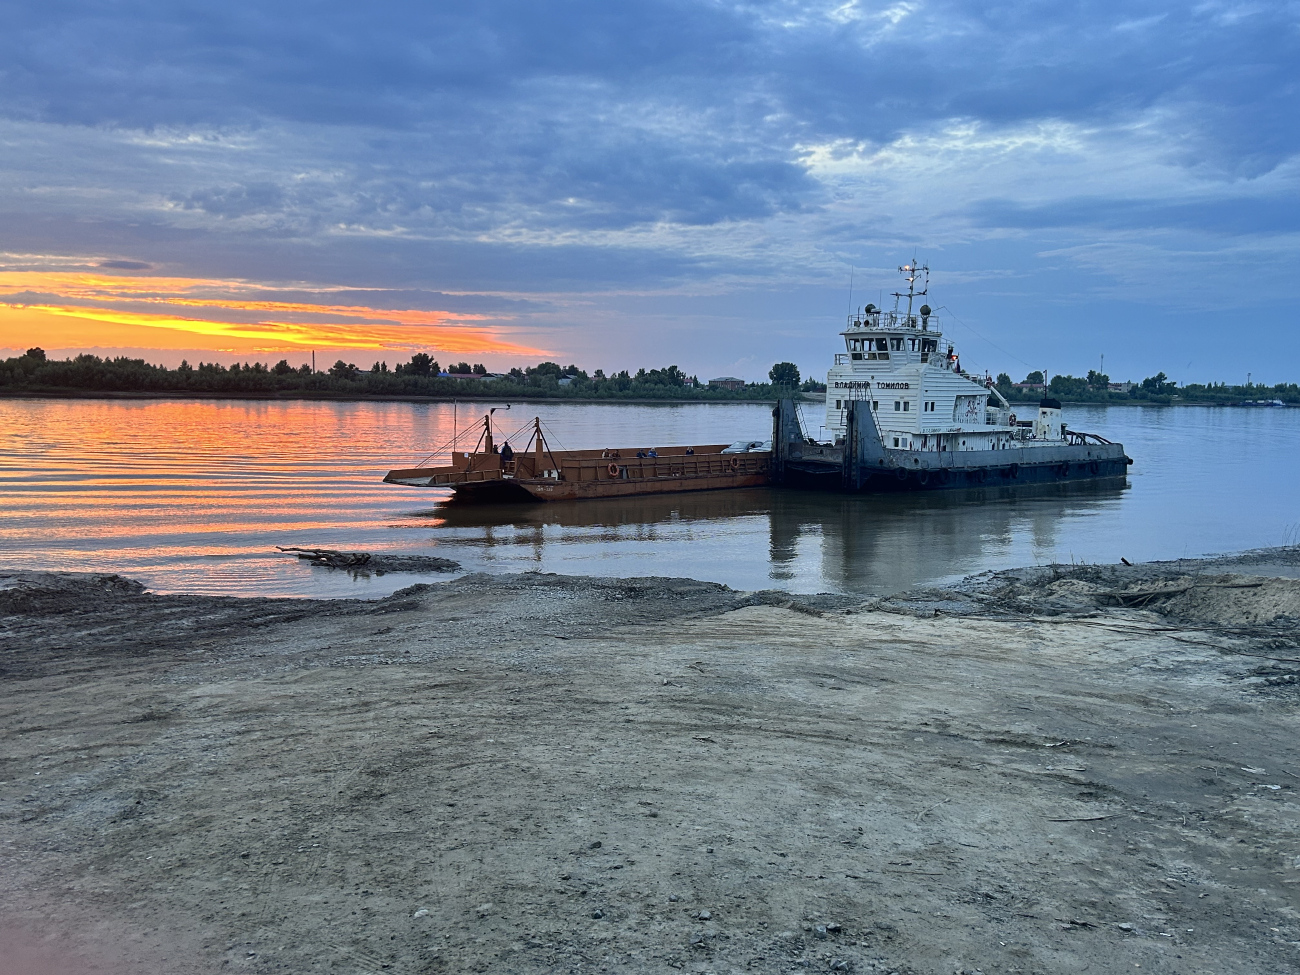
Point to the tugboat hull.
(864, 463)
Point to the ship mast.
(911, 272)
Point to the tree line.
(1095, 387)
(421, 376)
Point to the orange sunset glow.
(62, 309)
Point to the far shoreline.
(354, 398)
(522, 397)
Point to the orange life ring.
(735, 464)
(613, 470)
(1012, 419)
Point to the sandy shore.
(1060, 769)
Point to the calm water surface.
(194, 496)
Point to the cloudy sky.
(645, 183)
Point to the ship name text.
(862, 384)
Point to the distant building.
(459, 375)
(566, 380)
(727, 382)
(1029, 386)
(1120, 387)
(688, 383)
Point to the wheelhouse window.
(896, 345)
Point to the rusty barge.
(488, 473)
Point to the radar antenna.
(911, 272)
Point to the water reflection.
(862, 543)
(194, 495)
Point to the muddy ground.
(1061, 769)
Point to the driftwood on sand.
(368, 562)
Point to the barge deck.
(487, 474)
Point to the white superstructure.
(920, 396)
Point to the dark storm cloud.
(643, 111)
(397, 65)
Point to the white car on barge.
(901, 414)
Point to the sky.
(616, 185)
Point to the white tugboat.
(901, 413)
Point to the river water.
(194, 495)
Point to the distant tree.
(1159, 384)
(282, 368)
(784, 374)
(38, 354)
(1035, 378)
(185, 366)
(1067, 386)
(598, 374)
(480, 369)
(421, 364)
(1098, 380)
(1004, 381)
(544, 374)
(344, 370)
(461, 367)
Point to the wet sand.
(1056, 769)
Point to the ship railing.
(1079, 437)
(893, 319)
(685, 466)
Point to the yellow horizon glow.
(101, 322)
